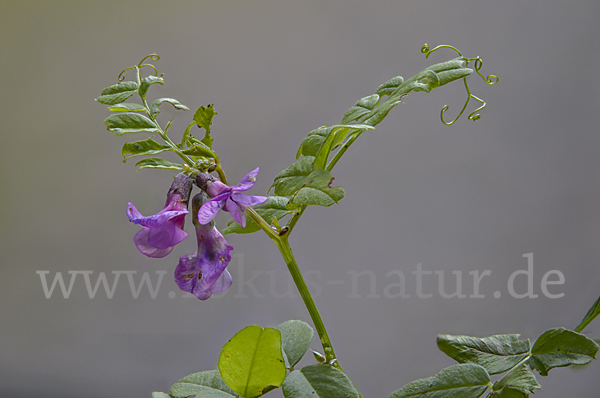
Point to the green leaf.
(519, 382)
(127, 107)
(204, 115)
(314, 142)
(592, 313)
(496, 354)
(147, 82)
(458, 381)
(203, 118)
(158, 163)
(561, 347)
(449, 71)
(274, 206)
(361, 108)
(199, 150)
(208, 384)
(295, 339)
(121, 123)
(290, 180)
(178, 105)
(390, 86)
(316, 190)
(318, 381)
(160, 395)
(335, 136)
(118, 93)
(140, 148)
(252, 361)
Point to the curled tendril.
(478, 63)
(489, 79)
(154, 57)
(425, 49)
(473, 115)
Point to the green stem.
(281, 240)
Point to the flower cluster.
(203, 272)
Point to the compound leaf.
(117, 93)
(496, 354)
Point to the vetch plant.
(257, 360)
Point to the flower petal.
(204, 273)
(209, 210)
(141, 242)
(167, 235)
(247, 182)
(247, 200)
(132, 212)
(158, 219)
(186, 273)
(237, 212)
(223, 283)
(216, 188)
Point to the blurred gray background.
(475, 196)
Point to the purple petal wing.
(223, 283)
(186, 273)
(158, 219)
(132, 212)
(167, 235)
(247, 182)
(143, 245)
(237, 212)
(247, 200)
(209, 210)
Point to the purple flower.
(163, 230)
(203, 273)
(229, 199)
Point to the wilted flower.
(203, 273)
(229, 199)
(163, 230)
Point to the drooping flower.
(204, 272)
(163, 230)
(229, 199)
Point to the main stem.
(281, 240)
(292, 265)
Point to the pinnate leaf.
(519, 382)
(295, 339)
(158, 163)
(335, 135)
(129, 122)
(274, 206)
(172, 101)
(458, 381)
(252, 363)
(290, 180)
(202, 384)
(127, 107)
(496, 354)
(118, 93)
(390, 86)
(204, 115)
(199, 149)
(140, 148)
(160, 395)
(147, 82)
(318, 381)
(561, 347)
(316, 190)
(361, 108)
